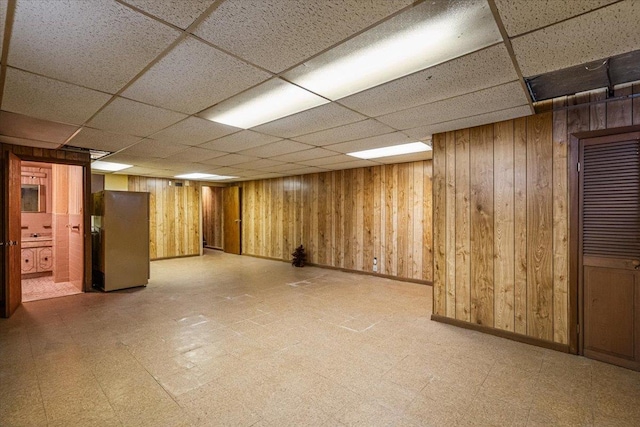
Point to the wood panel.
(462, 229)
(520, 225)
(212, 216)
(450, 223)
(439, 224)
(174, 216)
(504, 233)
(346, 218)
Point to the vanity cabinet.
(37, 259)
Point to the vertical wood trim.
(540, 227)
(418, 243)
(482, 232)
(427, 229)
(597, 112)
(402, 220)
(368, 226)
(520, 226)
(450, 223)
(504, 234)
(439, 224)
(463, 230)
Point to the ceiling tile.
(259, 164)
(482, 69)
(134, 118)
(25, 127)
(221, 170)
(406, 158)
(353, 165)
(522, 16)
(196, 154)
(229, 160)
(370, 143)
(423, 132)
(179, 13)
(240, 141)
(276, 149)
(279, 34)
(3, 14)
(600, 34)
(267, 175)
(193, 131)
(77, 41)
(173, 167)
(313, 120)
(306, 170)
(192, 77)
(29, 142)
(281, 168)
(140, 170)
(314, 153)
(129, 159)
(100, 140)
(48, 99)
(472, 104)
(327, 161)
(359, 130)
(153, 148)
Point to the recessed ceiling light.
(108, 166)
(424, 36)
(394, 150)
(204, 176)
(266, 102)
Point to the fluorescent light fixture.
(264, 103)
(394, 150)
(108, 166)
(423, 36)
(204, 176)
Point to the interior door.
(232, 220)
(11, 256)
(610, 247)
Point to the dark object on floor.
(299, 257)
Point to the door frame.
(86, 200)
(576, 288)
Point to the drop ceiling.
(139, 78)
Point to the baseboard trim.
(347, 270)
(564, 348)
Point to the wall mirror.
(33, 198)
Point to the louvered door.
(610, 225)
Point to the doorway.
(51, 230)
(212, 234)
(608, 247)
(232, 220)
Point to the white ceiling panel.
(276, 149)
(479, 70)
(327, 161)
(306, 170)
(193, 131)
(358, 130)
(353, 164)
(221, 170)
(298, 156)
(261, 175)
(316, 119)
(423, 132)
(29, 142)
(139, 170)
(50, 99)
(260, 164)
(196, 154)
(175, 168)
(100, 140)
(277, 34)
(153, 148)
(522, 16)
(192, 77)
(229, 160)
(600, 34)
(179, 13)
(134, 118)
(25, 127)
(129, 159)
(281, 168)
(93, 43)
(370, 143)
(472, 104)
(240, 141)
(406, 158)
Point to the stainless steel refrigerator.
(120, 239)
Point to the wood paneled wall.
(501, 216)
(212, 216)
(345, 218)
(174, 223)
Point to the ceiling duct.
(606, 72)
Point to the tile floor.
(231, 340)
(44, 287)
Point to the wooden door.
(610, 247)
(12, 257)
(232, 220)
